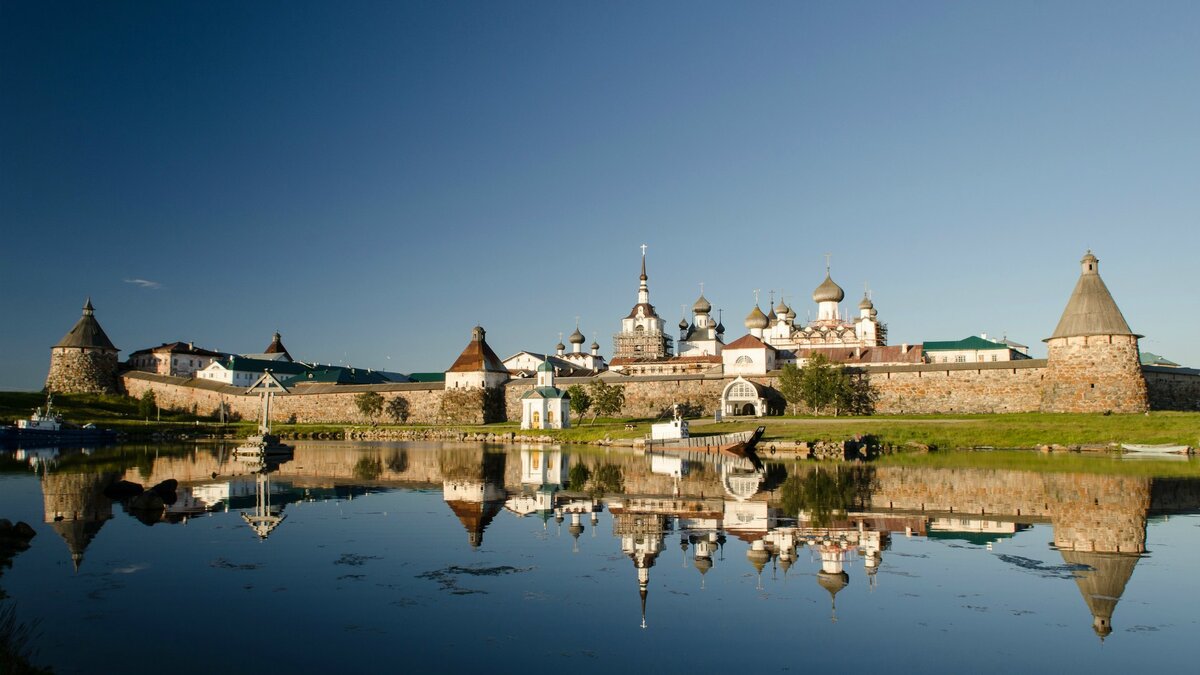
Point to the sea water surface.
(457, 558)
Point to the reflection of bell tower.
(642, 540)
(832, 576)
(75, 506)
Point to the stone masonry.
(1094, 373)
(77, 370)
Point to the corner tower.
(1092, 356)
(84, 360)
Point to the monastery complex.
(1093, 364)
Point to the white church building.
(545, 406)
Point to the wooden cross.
(644, 250)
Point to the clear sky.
(373, 179)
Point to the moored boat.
(1159, 449)
(47, 426)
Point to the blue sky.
(374, 180)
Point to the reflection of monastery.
(705, 504)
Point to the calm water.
(462, 558)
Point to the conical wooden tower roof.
(1103, 585)
(1091, 309)
(87, 332)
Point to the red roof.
(881, 354)
(477, 356)
(748, 342)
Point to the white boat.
(1160, 449)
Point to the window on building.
(993, 357)
(743, 360)
(961, 358)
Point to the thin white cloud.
(144, 283)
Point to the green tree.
(607, 399)
(398, 409)
(147, 404)
(370, 404)
(791, 386)
(578, 476)
(580, 400)
(856, 395)
(819, 382)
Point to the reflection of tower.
(642, 540)
(870, 544)
(75, 506)
(832, 576)
(473, 487)
(703, 546)
(1103, 584)
(576, 529)
(759, 556)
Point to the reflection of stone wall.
(1089, 512)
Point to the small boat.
(1161, 449)
(48, 427)
(736, 444)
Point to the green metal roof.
(427, 377)
(1151, 359)
(545, 392)
(338, 376)
(974, 342)
(259, 365)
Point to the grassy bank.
(1017, 430)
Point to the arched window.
(742, 391)
(549, 418)
(537, 420)
(743, 360)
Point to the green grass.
(1015, 460)
(1017, 430)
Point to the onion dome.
(866, 303)
(833, 581)
(781, 309)
(702, 306)
(791, 314)
(756, 319)
(828, 291)
(576, 337)
(703, 564)
(720, 328)
(575, 529)
(595, 345)
(545, 367)
(560, 346)
(759, 558)
(683, 324)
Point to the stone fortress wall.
(1015, 386)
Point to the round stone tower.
(1092, 357)
(85, 360)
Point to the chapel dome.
(866, 303)
(828, 291)
(576, 337)
(756, 318)
(683, 324)
(702, 306)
